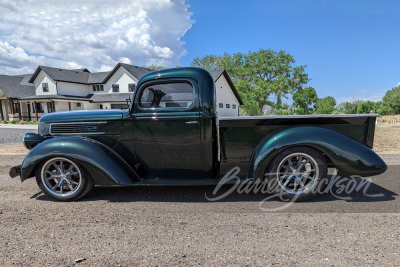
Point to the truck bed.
(240, 135)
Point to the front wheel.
(296, 173)
(62, 179)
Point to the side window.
(167, 95)
(45, 87)
(131, 87)
(115, 88)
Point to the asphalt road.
(179, 226)
(14, 133)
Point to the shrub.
(13, 121)
(5, 122)
(21, 122)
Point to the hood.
(84, 115)
(82, 123)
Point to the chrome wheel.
(61, 177)
(297, 173)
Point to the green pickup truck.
(171, 135)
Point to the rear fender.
(349, 156)
(104, 165)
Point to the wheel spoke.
(300, 183)
(300, 159)
(291, 164)
(62, 166)
(62, 186)
(286, 167)
(69, 184)
(69, 170)
(58, 168)
(303, 164)
(288, 180)
(71, 181)
(59, 184)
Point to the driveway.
(179, 226)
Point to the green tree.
(391, 101)
(366, 107)
(304, 100)
(263, 75)
(156, 67)
(326, 105)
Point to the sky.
(351, 48)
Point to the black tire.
(63, 179)
(300, 181)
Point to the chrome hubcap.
(297, 173)
(61, 177)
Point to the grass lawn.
(25, 122)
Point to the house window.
(78, 105)
(97, 87)
(228, 106)
(221, 105)
(50, 107)
(115, 88)
(45, 87)
(16, 108)
(131, 87)
(39, 107)
(233, 106)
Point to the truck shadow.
(349, 190)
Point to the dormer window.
(98, 87)
(45, 87)
(131, 87)
(115, 88)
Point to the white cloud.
(94, 34)
(365, 95)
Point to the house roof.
(84, 76)
(62, 75)
(132, 69)
(97, 77)
(216, 74)
(15, 87)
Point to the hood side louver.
(75, 128)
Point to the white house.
(28, 97)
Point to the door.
(167, 130)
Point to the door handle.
(191, 122)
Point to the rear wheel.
(63, 179)
(296, 173)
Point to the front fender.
(104, 165)
(349, 156)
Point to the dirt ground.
(178, 226)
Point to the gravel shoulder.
(178, 226)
